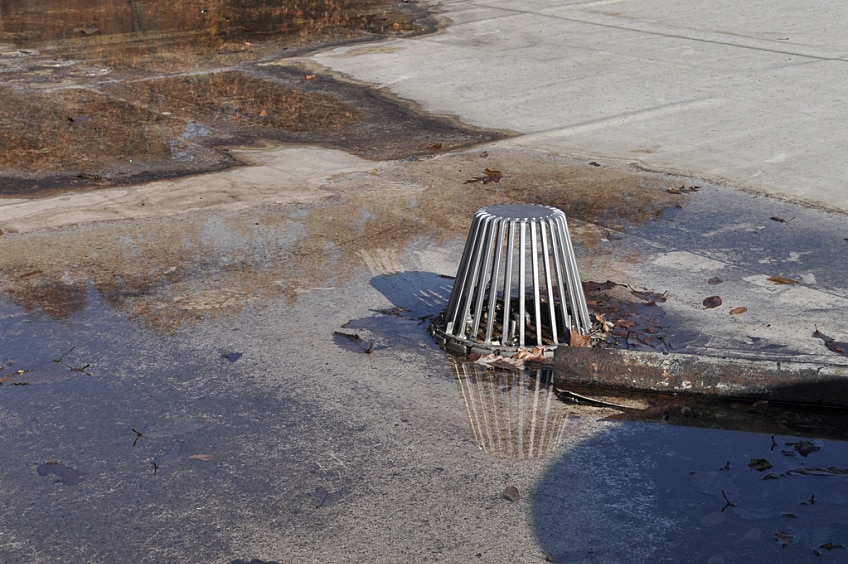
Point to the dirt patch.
(123, 93)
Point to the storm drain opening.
(517, 286)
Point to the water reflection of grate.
(512, 414)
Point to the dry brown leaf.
(497, 361)
(536, 354)
(738, 310)
(782, 280)
(310, 77)
(578, 340)
(712, 301)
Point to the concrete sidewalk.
(751, 96)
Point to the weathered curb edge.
(719, 377)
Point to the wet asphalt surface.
(197, 432)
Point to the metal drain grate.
(517, 285)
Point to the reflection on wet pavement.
(167, 273)
(510, 413)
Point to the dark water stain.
(65, 475)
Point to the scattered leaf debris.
(620, 322)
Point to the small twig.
(64, 355)
(138, 435)
(155, 468)
(80, 369)
(773, 442)
(728, 502)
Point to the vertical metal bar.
(522, 282)
(536, 299)
(562, 283)
(508, 332)
(493, 284)
(546, 258)
(466, 291)
(575, 286)
(464, 267)
(483, 277)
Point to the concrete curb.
(720, 377)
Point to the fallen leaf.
(484, 154)
(684, 189)
(263, 113)
(782, 280)
(783, 537)
(497, 361)
(593, 163)
(759, 464)
(489, 176)
(578, 340)
(831, 545)
(715, 280)
(202, 456)
(434, 146)
(511, 494)
(310, 77)
(805, 448)
(712, 301)
(738, 310)
(778, 219)
(536, 354)
(831, 344)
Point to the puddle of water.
(647, 492)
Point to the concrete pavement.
(208, 326)
(752, 96)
